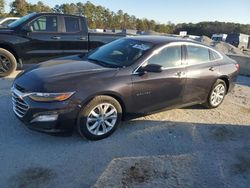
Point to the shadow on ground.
(203, 155)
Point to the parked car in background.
(4, 22)
(128, 77)
(238, 40)
(219, 37)
(41, 36)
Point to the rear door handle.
(82, 38)
(56, 37)
(211, 68)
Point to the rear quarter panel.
(228, 70)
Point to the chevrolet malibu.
(129, 77)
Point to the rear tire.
(217, 94)
(99, 118)
(8, 63)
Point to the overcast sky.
(176, 11)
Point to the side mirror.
(28, 28)
(151, 68)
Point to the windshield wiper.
(102, 63)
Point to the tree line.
(101, 17)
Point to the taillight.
(237, 66)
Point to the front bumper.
(28, 112)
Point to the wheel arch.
(226, 80)
(114, 95)
(12, 50)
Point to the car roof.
(57, 14)
(158, 40)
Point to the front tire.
(217, 94)
(8, 63)
(99, 118)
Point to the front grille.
(20, 107)
(19, 88)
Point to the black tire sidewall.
(82, 117)
(219, 81)
(12, 59)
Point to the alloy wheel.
(217, 95)
(5, 64)
(102, 119)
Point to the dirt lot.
(202, 148)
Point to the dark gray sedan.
(129, 77)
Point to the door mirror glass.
(151, 68)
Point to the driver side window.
(45, 24)
(168, 57)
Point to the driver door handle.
(211, 68)
(180, 74)
(56, 37)
(82, 38)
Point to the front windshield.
(20, 21)
(120, 53)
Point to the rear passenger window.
(72, 24)
(168, 57)
(214, 56)
(197, 54)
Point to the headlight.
(50, 97)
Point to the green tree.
(39, 7)
(2, 6)
(88, 11)
(19, 7)
(69, 8)
(57, 9)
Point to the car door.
(201, 72)
(44, 42)
(74, 36)
(153, 91)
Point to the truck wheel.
(217, 94)
(8, 63)
(99, 118)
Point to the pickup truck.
(38, 37)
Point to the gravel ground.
(208, 148)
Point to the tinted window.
(21, 20)
(45, 24)
(72, 25)
(119, 53)
(197, 54)
(168, 57)
(214, 55)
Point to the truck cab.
(38, 37)
(238, 40)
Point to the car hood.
(4, 30)
(61, 71)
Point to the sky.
(175, 11)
